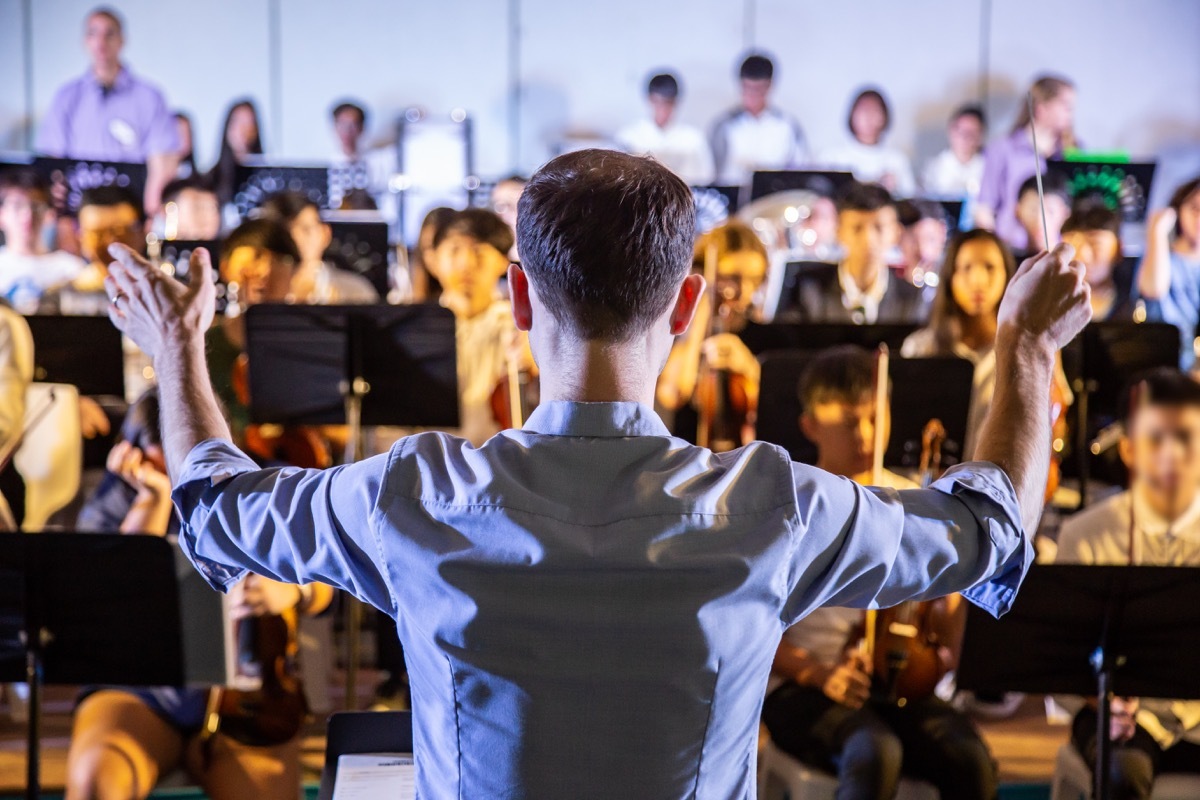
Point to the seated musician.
(107, 214)
(963, 322)
(923, 232)
(713, 344)
(190, 210)
(1155, 522)
(28, 270)
(860, 289)
(125, 739)
(1095, 233)
(1029, 212)
(258, 260)
(828, 705)
(316, 280)
(470, 254)
(1169, 275)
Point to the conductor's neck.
(597, 372)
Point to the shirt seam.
(712, 705)
(384, 571)
(674, 515)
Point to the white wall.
(579, 67)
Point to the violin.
(294, 445)
(274, 712)
(721, 398)
(903, 644)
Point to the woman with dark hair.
(241, 136)
(963, 320)
(1010, 161)
(187, 146)
(1169, 275)
(866, 154)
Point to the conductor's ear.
(690, 293)
(518, 292)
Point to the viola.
(274, 712)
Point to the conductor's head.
(606, 247)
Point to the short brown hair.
(606, 239)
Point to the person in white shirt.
(957, 170)
(756, 136)
(1156, 522)
(866, 154)
(355, 167)
(681, 148)
(826, 704)
(27, 270)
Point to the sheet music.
(370, 776)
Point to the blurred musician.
(822, 706)
(124, 739)
(712, 352)
(1155, 522)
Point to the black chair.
(363, 732)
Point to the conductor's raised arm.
(1047, 303)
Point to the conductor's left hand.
(158, 312)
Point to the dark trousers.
(1134, 764)
(870, 748)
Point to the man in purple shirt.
(111, 115)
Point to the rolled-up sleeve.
(291, 525)
(874, 548)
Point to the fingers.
(200, 271)
(128, 258)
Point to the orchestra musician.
(1155, 522)
(712, 359)
(124, 739)
(826, 703)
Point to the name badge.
(123, 132)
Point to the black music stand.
(353, 365)
(259, 179)
(69, 178)
(825, 182)
(922, 389)
(1099, 363)
(104, 608)
(85, 352)
(1086, 630)
(819, 335)
(360, 244)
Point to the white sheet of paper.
(376, 776)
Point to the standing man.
(681, 148)
(110, 114)
(590, 607)
(756, 136)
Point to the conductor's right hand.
(849, 684)
(1048, 301)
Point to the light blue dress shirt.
(589, 607)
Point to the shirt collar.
(853, 297)
(123, 80)
(568, 418)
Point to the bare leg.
(119, 748)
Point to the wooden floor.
(1024, 744)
